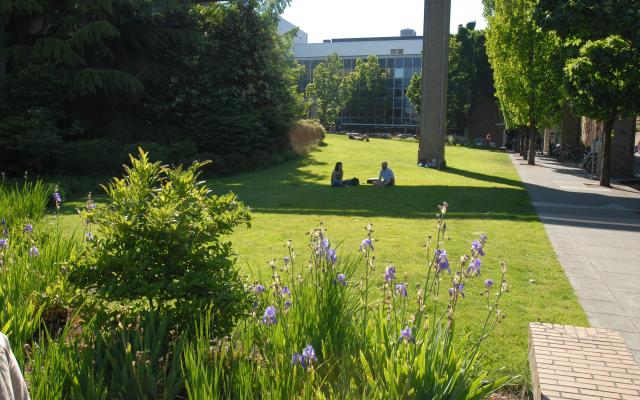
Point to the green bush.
(158, 240)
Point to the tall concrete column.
(435, 62)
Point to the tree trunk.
(605, 166)
(532, 143)
(525, 148)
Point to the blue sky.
(327, 19)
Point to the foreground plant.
(315, 332)
(159, 241)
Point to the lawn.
(484, 193)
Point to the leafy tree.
(184, 78)
(366, 89)
(602, 77)
(527, 70)
(328, 90)
(470, 75)
(414, 92)
(159, 240)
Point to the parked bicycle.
(589, 162)
(570, 153)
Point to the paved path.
(596, 234)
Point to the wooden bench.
(569, 362)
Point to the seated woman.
(337, 175)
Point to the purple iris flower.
(89, 236)
(488, 283)
(287, 304)
(442, 261)
(474, 267)
(477, 247)
(259, 288)
(4, 244)
(309, 354)
(390, 273)
(342, 279)
(56, 197)
(406, 335)
(306, 358)
(459, 289)
(401, 289)
(285, 291)
(34, 252)
(366, 244)
(332, 256)
(287, 260)
(298, 359)
(3, 222)
(28, 228)
(269, 317)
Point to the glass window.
(398, 73)
(398, 82)
(417, 62)
(390, 63)
(397, 102)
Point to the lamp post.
(435, 63)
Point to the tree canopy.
(527, 67)
(470, 76)
(87, 81)
(602, 73)
(365, 89)
(327, 89)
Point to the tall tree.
(469, 76)
(365, 86)
(527, 71)
(327, 89)
(603, 75)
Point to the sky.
(329, 19)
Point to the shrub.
(306, 134)
(93, 156)
(159, 240)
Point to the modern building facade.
(398, 56)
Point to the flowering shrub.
(315, 333)
(159, 240)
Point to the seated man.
(386, 177)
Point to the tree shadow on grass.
(285, 197)
(483, 177)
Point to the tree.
(527, 73)
(366, 90)
(469, 76)
(602, 76)
(327, 89)
(191, 80)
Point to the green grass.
(484, 193)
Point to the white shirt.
(386, 175)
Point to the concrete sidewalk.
(596, 234)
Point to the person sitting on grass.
(337, 175)
(386, 177)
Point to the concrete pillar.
(435, 63)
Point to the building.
(399, 56)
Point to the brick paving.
(570, 362)
(595, 232)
